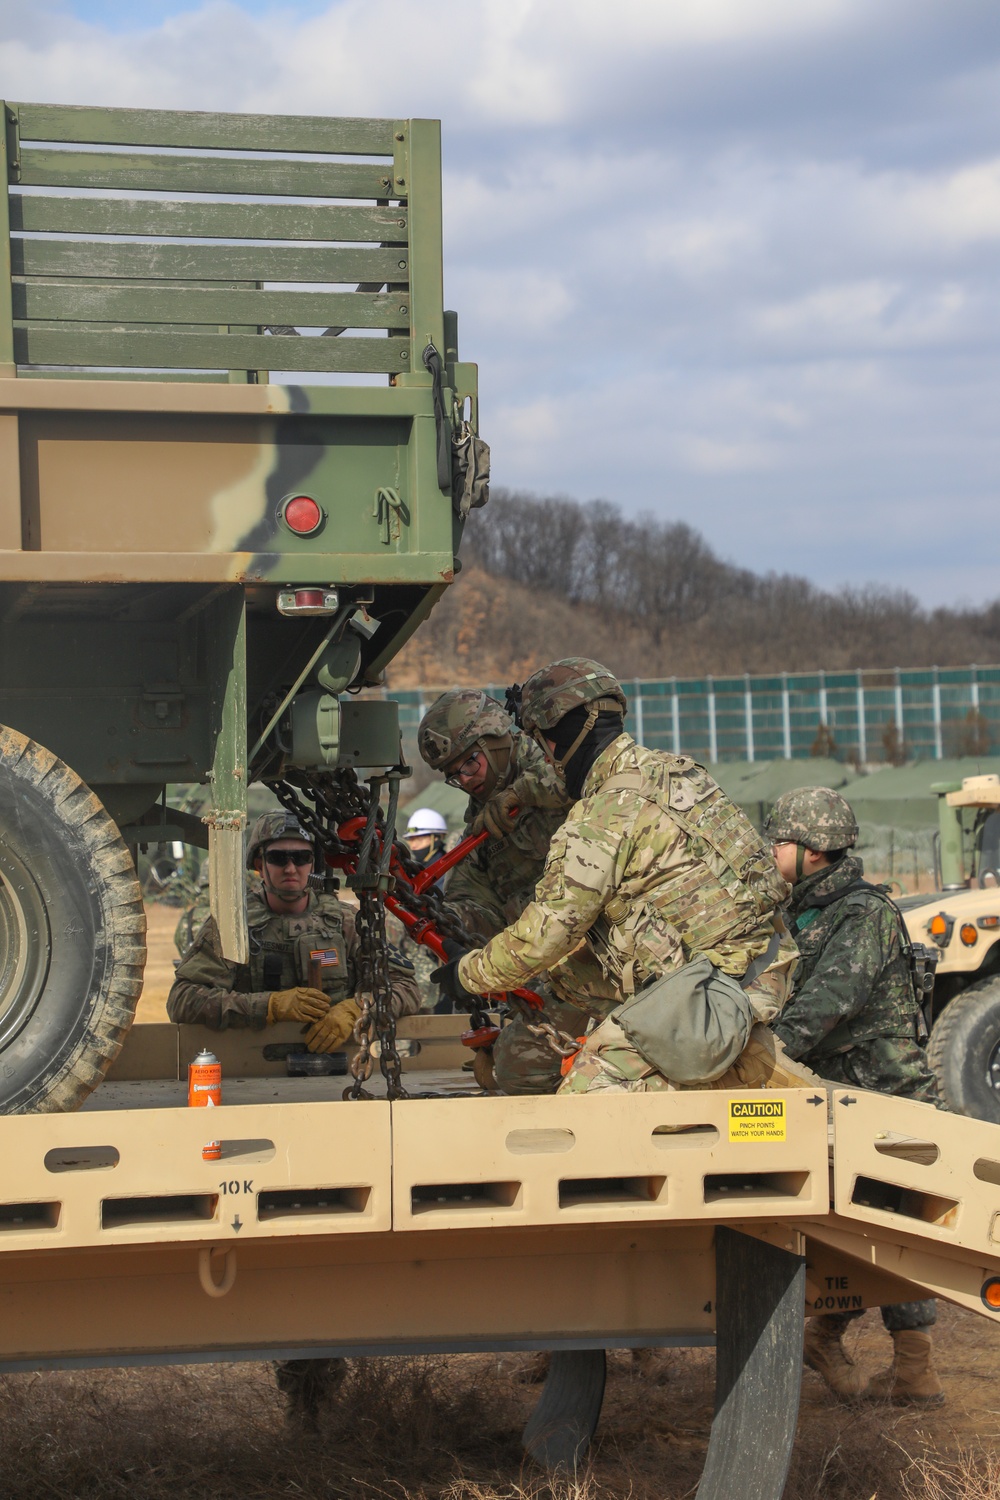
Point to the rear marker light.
(308, 601)
(990, 1293)
(301, 514)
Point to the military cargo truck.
(962, 920)
(230, 405)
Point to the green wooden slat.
(201, 174)
(210, 377)
(154, 127)
(240, 221)
(210, 351)
(94, 258)
(106, 304)
(6, 326)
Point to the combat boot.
(824, 1352)
(911, 1379)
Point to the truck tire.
(72, 933)
(964, 1051)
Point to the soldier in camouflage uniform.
(514, 795)
(653, 869)
(853, 1018)
(302, 952)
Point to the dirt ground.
(447, 1429)
(160, 955)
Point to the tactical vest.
(307, 949)
(721, 903)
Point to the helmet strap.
(595, 709)
(498, 751)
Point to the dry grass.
(427, 1429)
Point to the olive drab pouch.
(691, 1025)
(321, 963)
(470, 470)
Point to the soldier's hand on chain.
(446, 977)
(498, 816)
(331, 1033)
(299, 1004)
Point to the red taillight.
(301, 514)
(309, 599)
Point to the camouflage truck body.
(160, 408)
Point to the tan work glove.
(498, 815)
(330, 1034)
(300, 1004)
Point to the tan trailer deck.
(465, 1222)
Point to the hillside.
(551, 577)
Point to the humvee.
(962, 920)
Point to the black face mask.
(608, 727)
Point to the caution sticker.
(757, 1120)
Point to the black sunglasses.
(282, 857)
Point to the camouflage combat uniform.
(493, 884)
(654, 865)
(209, 990)
(851, 1016)
(853, 1009)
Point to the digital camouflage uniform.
(492, 885)
(654, 865)
(852, 1012)
(853, 1009)
(209, 990)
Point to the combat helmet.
(554, 691)
(460, 722)
(271, 826)
(815, 817)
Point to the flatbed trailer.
(464, 1222)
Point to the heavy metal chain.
(321, 805)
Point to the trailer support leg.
(560, 1428)
(760, 1317)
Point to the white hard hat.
(426, 820)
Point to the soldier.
(657, 892)
(516, 796)
(853, 1017)
(302, 952)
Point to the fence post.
(824, 713)
(713, 738)
(786, 716)
(748, 711)
(974, 687)
(936, 701)
(675, 716)
(899, 704)
(637, 705)
(862, 735)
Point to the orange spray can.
(205, 1092)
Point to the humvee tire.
(964, 1051)
(72, 933)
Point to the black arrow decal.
(848, 1099)
(236, 1224)
(816, 1099)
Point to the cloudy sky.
(731, 261)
